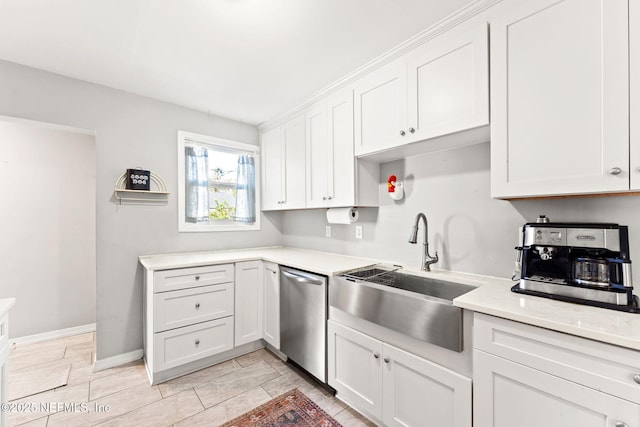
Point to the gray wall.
(471, 231)
(130, 131)
(48, 226)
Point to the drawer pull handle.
(636, 378)
(197, 342)
(386, 360)
(376, 355)
(621, 424)
(197, 306)
(197, 277)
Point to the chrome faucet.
(427, 259)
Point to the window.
(218, 188)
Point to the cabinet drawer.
(183, 345)
(601, 366)
(181, 278)
(189, 306)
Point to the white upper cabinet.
(318, 165)
(272, 169)
(334, 176)
(437, 89)
(560, 98)
(381, 108)
(283, 165)
(448, 83)
(634, 89)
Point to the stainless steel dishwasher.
(303, 320)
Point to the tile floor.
(122, 396)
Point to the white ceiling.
(244, 59)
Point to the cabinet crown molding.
(456, 18)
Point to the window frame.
(184, 138)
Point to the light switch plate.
(358, 232)
(327, 231)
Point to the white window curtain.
(246, 190)
(197, 184)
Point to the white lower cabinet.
(249, 301)
(355, 368)
(271, 307)
(530, 377)
(392, 385)
(4, 371)
(188, 318)
(183, 345)
(511, 394)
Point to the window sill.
(205, 228)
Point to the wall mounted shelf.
(158, 196)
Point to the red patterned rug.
(290, 409)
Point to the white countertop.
(325, 263)
(495, 298)
(493, 295)
(6, 304)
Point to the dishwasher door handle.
(302, 278)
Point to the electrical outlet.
(358, 232)
(327, 231)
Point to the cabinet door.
(418, 392)
(560, 98)
(4, 371)
(271, 318)
(380, 101)
(293, 140)
(341, 171)
(249, 302)
(448, 83)
(354, 365)
(509, 394)
(318, 157)
(634, 90)
(272, 169)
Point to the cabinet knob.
(324, 198)
(329, 197)
(197, 306)
(402, 133)
(197, 342)
(386, 360)
(615, 171)
(376, 355)
(636, 378)
(412, 130)
(621, 424)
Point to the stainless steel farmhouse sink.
(418, 306)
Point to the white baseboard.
(60, 333)
(120, 359)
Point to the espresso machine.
(584, 263)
